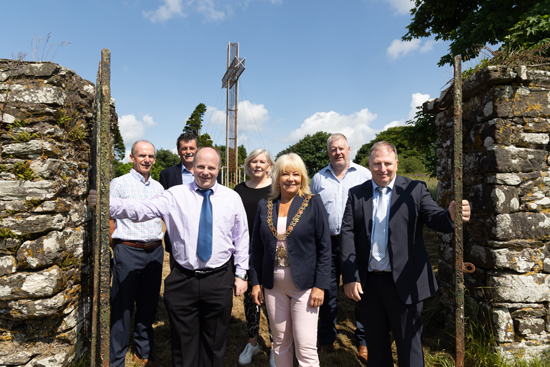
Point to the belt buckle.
(203, 272)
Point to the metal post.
(101, 312)
(457, 177)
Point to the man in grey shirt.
(332, 183)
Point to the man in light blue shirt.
(137, 263)
(332, 183)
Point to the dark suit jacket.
(169, 177)
(308, 245)
(411, 207)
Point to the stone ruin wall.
(45, 251)
(506, 170)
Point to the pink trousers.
(291, 320)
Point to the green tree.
(194, 125)
(313, 151)
(242, 154)
(120, 149)
(471, 24)
(166, 158)
(422, 133)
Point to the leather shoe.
(141, 362)
(326, 349)
(363, 353)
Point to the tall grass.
(431, 182)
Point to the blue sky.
(311, 65)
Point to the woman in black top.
(258, 166)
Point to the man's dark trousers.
(380, 298)
(199, 307)
(328, 312)
(137, 276)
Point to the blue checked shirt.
(133, 186)
(334, 193)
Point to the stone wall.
(506, 133)
(45, 254)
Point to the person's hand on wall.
(92, 198)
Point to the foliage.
(32, 203)
(23, 170)
(411, 165)
(469, 25)
(77, 133)
(120, 149)
(7, 233)
(194, 125)
(24, 136)
(165, 158)
(242, 154)
(313, 151)
(63, 118)
(120, 168)
(422, 134)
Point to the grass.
(431, 182)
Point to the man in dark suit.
(178, 174)
(383, 255)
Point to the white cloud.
(355, 127)
(400, 48)
(211, 10)
(133, 129)
(252, 117)
(170, 9)
(149, 122)
(208, 9)
(428, 46)
(417, 100)
(401, 6)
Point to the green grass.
(431, 182)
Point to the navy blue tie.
(204, 243)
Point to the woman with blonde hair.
(258, 166)
(291, 257)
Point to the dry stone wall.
(506, 134)
(45, 254)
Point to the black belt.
(201, 272)
(147, 246)
(380, 272)
(336, 236)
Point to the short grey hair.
(334, 137)
(133, 150)
(380, 145)
(254, 154)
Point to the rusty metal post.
(103, 153)
(457, 177)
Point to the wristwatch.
(243, 277)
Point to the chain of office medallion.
(295, 220)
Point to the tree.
(194, 125)
(313, 151)
(471, 24)
(120, 149)
(166, 158)
(240, 159)
(423, 133)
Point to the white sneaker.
(272, 359)
(246, 356)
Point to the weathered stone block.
(25, 309)
(529, 326)
(59, 205)
(503, 325)
(29, 190)
(47, 168)
(512, 159)
(51, 249)
(44, 283)
(34, 223)
(33, 149)
(536, 124)
(521, 226)
(47, 94)
(7, 265)
(523, 261)
(504, 199)
(530, 288)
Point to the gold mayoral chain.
(281, 251)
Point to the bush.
(411, 165)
